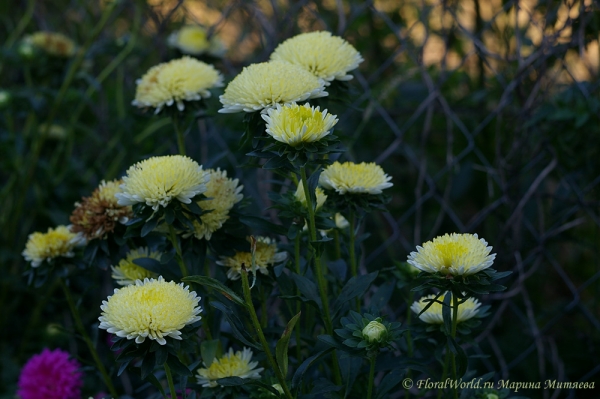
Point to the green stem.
(353, 265)
(336, 241)
(175, 242)
(445, 370)
(298, 303)
(371, 377)
(261, 336)
(170, 381)
(179, 132)
(263, 308)
(87, 339)
(409, 342)
(454, 323)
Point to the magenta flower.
(50, 375)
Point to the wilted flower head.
(466, 310)
(50, 375)
(294, 124)
(231, 364)
(55, 243)
(153, 309)
(301, 197)
(55, 44)
(374, 331)
(266, 255)
(456, 254)
(127, 272)
(97, 215)
(355, 178)
(158, 180)
(194, 40)
(176, 81)
(262, 86)
(327, 57)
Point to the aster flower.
(158, 180)
(55, 44)
(466, 310)
(223, 194)
(97, 215)
(294, 124)
(50, 375)
(265, 255)
(231, 364)
(301, 197)
(353, 178)
(127, 272)
(58, 242)
(176, 81)
(153, 309)
(262, 86)
(327, 57)
(455, 254)
(194, 40)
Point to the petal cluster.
(238, 364)
(265, 255)
(301, 196)
(262, 86)
(466, 310)
(355, 178)
(52, 43)
(176, 81)
(327, 57)
(127, 272)
(194, 40)
(153, 309)
(294, 124)
(60, 241)
(455, 254)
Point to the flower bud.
(374, 331)
(491, 396)
(5, 98)
(278, 388)
(26, 51)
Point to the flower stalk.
(372, 360)
(175, 242)
(170, 380)
(179, 133)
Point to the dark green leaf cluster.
(353, 336)
(480, 283)
(357, 203)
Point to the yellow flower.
(52, 43)
(46, 246)
(355, 178)
(456, 254)
(261, 86)
(266, 255)
(153, 309)
(294, 124)
(127, 272)
(224, 193)
(176, 81)
(301, 197)
(194, 40)
(97, 215)
(236, 364)
(466, 310)
(158, 180)
(327, 57)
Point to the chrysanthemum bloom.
(158, 180)
(127, 272)
(262, 86)
(266, 255)
(224, 193)
(466, 310)
(50, 375)
(294, 124)
(55, 44)
(194, 40)
(301, 197)
(455, 254)
(355, 178)
(153, 309)
(97, 215)
(55, 243)
(176, 81)
(231, 364)
(327, 57)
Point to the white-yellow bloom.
(466, 310)
(55, 243)
(194, 40)
(301, 197)
(238, 364)
(456, 254)
(158, 180)
(153, 309)
(176, 81)
(52, 43)
(294, 124)
(265, 255)
(327, 57)
(355, 178)
(262, 86)
(127, 272)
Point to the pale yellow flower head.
(224, 193)
(194, 40)
(159, 180)
(266, 255)
(176, 81)
(262, 86)
(327, 57)
(301, 197)
(456, 254)
(153, 309)
(466, 310)
(55, 44)
(355, 178)
(55, 243)
(238, 364)
(127, 272)
(294, 124)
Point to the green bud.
(374, 331)
(5, 98)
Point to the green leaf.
(177, 367)
(149, 264)
(237, 327)
(208, 350)
(299, 374)
(446, 313)
(355, 287)
(260, 224)
(281, 350)
(461, 357)
(212, 283)
(149, 226)
(307, 288)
